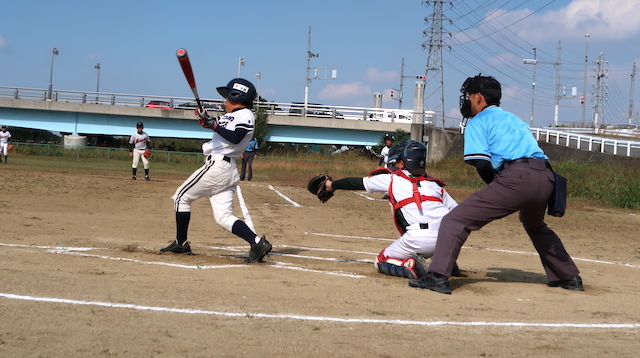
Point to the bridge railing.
(286, 109)
(615, 146)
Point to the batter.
(218, 177)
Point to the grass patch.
(604, 184)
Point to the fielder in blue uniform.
(519, 178)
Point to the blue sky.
(135, 43)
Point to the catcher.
(140, 148)
(418, 204)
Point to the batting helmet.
(488, 86)
(239, 90)
(389, 136)
(414, 155)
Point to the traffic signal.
(392, 93)
(581, 99)
(421, 77)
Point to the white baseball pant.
(137, 155)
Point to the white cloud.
(345, 92)
(375, 75)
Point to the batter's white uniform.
(4, 141)
(218, 177)
(139, 141)
(435, 202)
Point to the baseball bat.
(183, 59)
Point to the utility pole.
(557, 105)
(533, 84)
(434, 45)
(334, 72)
(633, 78)
(597, 108)
(584, 87)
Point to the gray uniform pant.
(524, 187)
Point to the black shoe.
(433, 283)
(456, 272)
(177, 249)
(421, 265)
(133, 177)
(259, 251)
(574, 283)
(146, 177)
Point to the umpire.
(519, 178)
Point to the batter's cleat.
(146, 177)
(259, 251)
(177, 249)
(432, 282)
(574, 283)
(133, 177)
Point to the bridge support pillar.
(73, 141)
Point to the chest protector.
(416, 197)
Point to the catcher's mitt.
(147, 153)
(317, 187)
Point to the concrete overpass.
(96, 119)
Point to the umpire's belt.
(212, 158)
(526, 160)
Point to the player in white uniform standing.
(4, 142)
(138, 144)
(418, 202)
(384, 153)
(218, 177)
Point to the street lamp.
(97, 67)
(54, 51)
(240, 64)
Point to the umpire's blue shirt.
(499, 136)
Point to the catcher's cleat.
(430, 281)
(146, 177)
(177, 249)
(420, 266)
(574, 283)
(259, 251)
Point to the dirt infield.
(81, 276)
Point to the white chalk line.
(245, 211)
(364, 195)
(349, 236)
(74, 251)
(284, 197)
(236, 249)
(484, 249)
(320, 318)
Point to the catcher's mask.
(239, 90)
(412, 153)
(488, 86)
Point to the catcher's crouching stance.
(418, 203)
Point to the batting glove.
(202, 113)
(210, 123)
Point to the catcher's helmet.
(239, 90)
(488, 86)
(414, 155)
